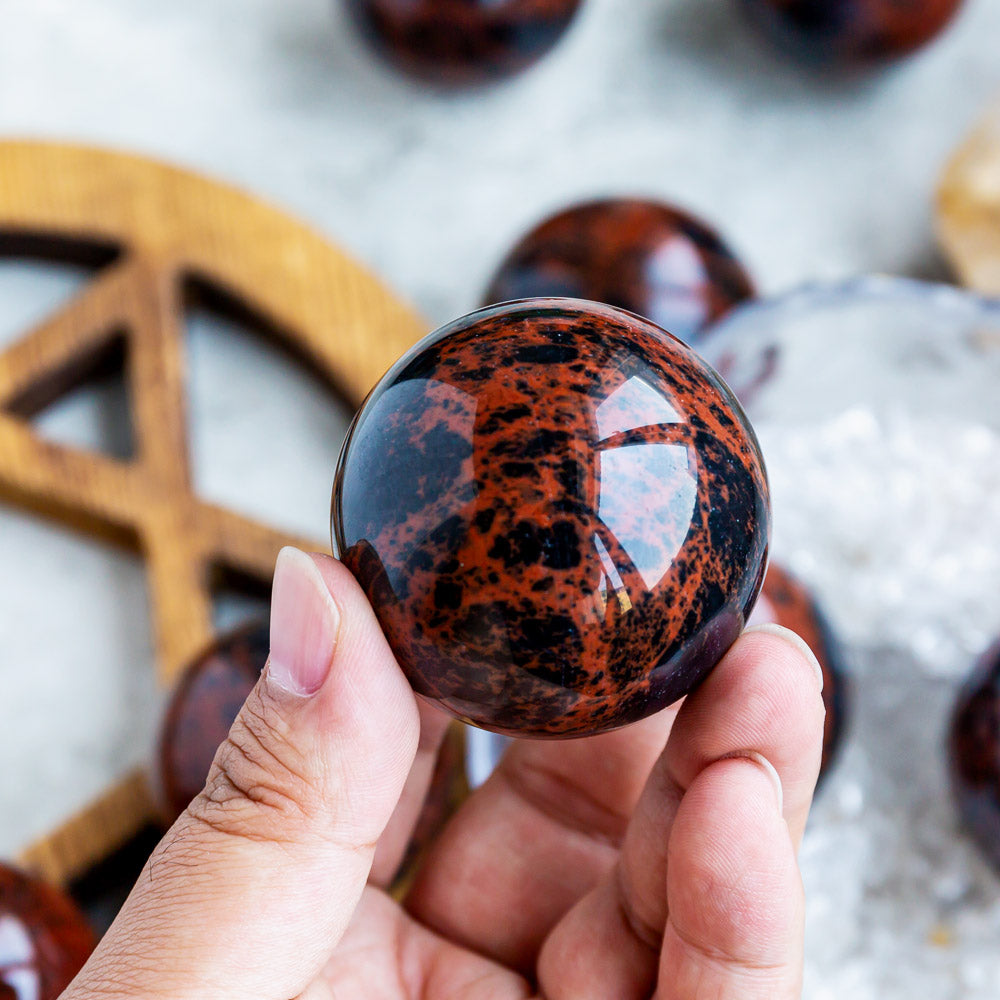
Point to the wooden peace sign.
(164, 227)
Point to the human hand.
(656, 860)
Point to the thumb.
(254, 885)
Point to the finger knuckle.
(258, 782)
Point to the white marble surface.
(806, 177)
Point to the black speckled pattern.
(974, 754)
(559, 514)
(850, 32)
(652, 259)
(44, 939)
(460, 42)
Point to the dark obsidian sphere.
(649, 258)
(454, 42)
(851, 31)
(974, 754)
(559, 514)
(202, 708)
(44, 939)
(785, 601)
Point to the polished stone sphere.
(559, 514)
(785, 601)
(851, 31)
(650, 258)
(974, 754)
(44, 939)
(456, 42)
(202, 708)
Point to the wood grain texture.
(171, 228)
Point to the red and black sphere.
(44, 939)
(559, 514)
(461, 42)
(851, 32)
(644, 256)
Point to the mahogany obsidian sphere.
(202, 708)
(785, 601)
(454, 42)
(974, 754)
(559, 514)
(851, 31)
(44, 939)
(650, 258)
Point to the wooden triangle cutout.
(172, 226)
(85, 404)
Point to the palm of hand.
(657, 861)
(654, 861)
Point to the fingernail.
(766, 766)
(793, 639)
(304, 625)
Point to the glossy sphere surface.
(974, 754)
(559, 514)
(649, 258)
(851, 31)
(44, 939)
(785, 601)
(455, 42)
(202, 708)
